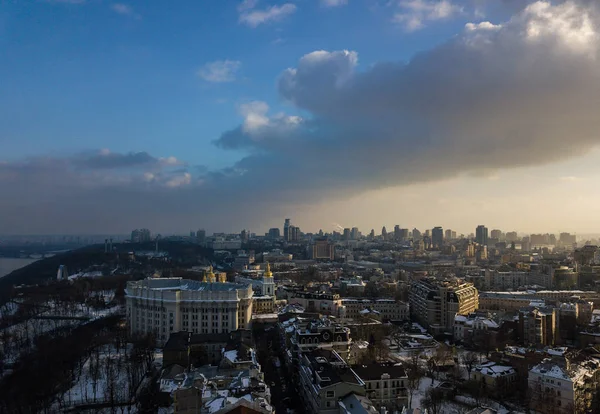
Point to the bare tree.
(397, 336)
(469, 359)
(414, 373)
(433, 400)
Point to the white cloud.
(125, 10)
(333, 3)
(255, 115)
(179, 180)
(254, 17)
(414, 14)
(220, 71)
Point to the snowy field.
(108, 375)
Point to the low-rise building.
(303, 335)
(499, 380)
(385, 385)
(388, 309)
(325, 380)
(564, 384)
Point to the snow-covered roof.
(492, 369)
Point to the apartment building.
(163, 306)
(326, 303)
(434, 302)
(303, 335)
(500, 380)
(325, 380)
(538, 326)
(564, 385)
(520, 299)
(385, 385)
(505, 279)
(388, 309)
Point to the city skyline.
(120, 116)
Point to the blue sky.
(90, 74)
(236, 114)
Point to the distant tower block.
(105, 245)
(111, 246)
(62, 273)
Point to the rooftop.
(331, 369)
(178, 283)
(373, 372)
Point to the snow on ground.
(8, 309)
(102, 373)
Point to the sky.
(230, 115)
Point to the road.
(283, 395)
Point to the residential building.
(437, 237)
(434, 303)
(325, 380)
(564, 385)
(385, 385)
(163, 306)
(499, 380)
(505, 279)
(141, 236)
(274, 233)
(325, 303)
(322, 249)
(538, 326)
(389, 309)
(286, 230)
(481, 235)
(496, 234)
(303, 335)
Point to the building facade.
(163, 306)
(434, 303)
(389, 309)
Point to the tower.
(268, 282)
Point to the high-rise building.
(481, 235)
(437, 237)
(347, 234)
(449, 234)
(566, 239)
(404, 235)
(294, 232)
(274, 233)
(354, 234)
(397, 232)
(244, 236)
(141, 236)
(383, 233)
(372, 234)
(286, 229)
(416, 234)
(201, 236)
(511, 236)
(496, 234)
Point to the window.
(330, 394)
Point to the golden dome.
(268, 272)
